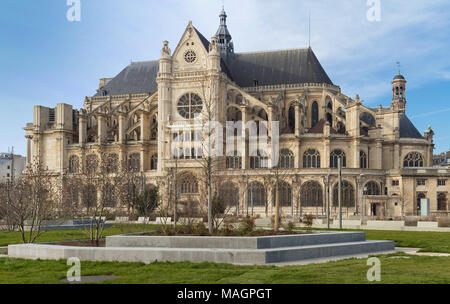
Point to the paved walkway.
(414, 251)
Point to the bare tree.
(30, 200)
(103, 187)
(210, 142)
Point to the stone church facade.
(140, 115)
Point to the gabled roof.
(267, 68)
(277, 67)
(407, 129)
(138, 77)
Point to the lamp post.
(340, 190)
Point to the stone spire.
(223, 36)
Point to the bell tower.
(399, 92)
(224, 40)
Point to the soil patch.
(82, 243)
(226, 234)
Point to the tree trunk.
(210, 215)
(277, 208)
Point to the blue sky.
(45, 59)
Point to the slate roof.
(407, 129)
(138, 77)
(277, 67)
(267, 68)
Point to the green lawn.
(13, 237)
(426, 241)
(396, 268)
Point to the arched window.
(154, 134)
(260, 161)
(91, 163)
(372, 188)
(134, 162)
(112, 163)
(311, 159)
(189, 185)
(314, 114)
(190, 105)
(291, 117)
(74, 164)
(234, 161)
(234, 114)
(334, 156)
(442, 202)
(154, 162)
(284, 194)
(287, 159)
(229, 192)
(109, 196)
(256, 195)
(330, 118)
(348, 195)
(413, 160)
(89, 196)
(311, 194)
(362, 160)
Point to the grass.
(426, 241)
(13, 237)
(395, 268)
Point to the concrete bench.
(427, 224)
(386, 224)
(185, 220)
(163, 220)
(122, 219)
(351, 222)
(142, 220)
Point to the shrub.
(200, 229)
(228, 229)
(248, 225)
(146, 202)
(290, 226)
(308, 221)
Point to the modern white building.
(11, 166)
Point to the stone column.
(29, 138)
(297, 119)
(145, 126)
(356, 151)
(325, 156)
(122, 123)
(102, 128)
(243, 143)
(379, 156)
(82, 128)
